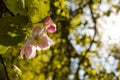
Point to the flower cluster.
(39, 40)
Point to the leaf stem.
(1, 59)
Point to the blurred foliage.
(71, 56)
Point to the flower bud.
(51, 28)
(47, 20)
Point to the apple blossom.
(39, 40)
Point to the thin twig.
(91, 43)
(1, 59)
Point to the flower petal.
(30, 51)
(51, 28)
(45, 42)
(22, 52)
(36, 30)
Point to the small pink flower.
(51, 28)
(38, 41)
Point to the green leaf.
(41, 77)
(12, 30)
(27, 76)
(15, 6)
(3, 49)
(37, 9)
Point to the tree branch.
(91, 43)
(1, 59)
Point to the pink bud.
(51, 28)
(47, 20)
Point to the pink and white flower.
(39, 40)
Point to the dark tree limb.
(5, 69)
